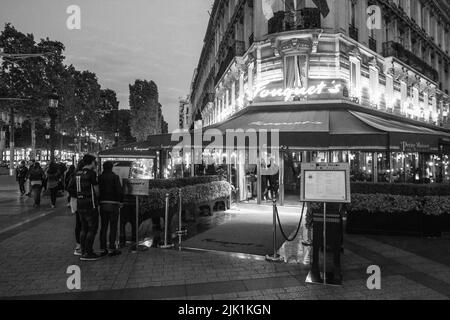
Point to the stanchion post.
(136, 246)
(324, 243)
(275, 257)
(166, 226)
(180, 221)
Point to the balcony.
(353, 32)
(372, 44)
(395, 49)
(307, 18)
(237, 49)
(251, 39)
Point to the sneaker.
(53, 207)
(77, 252)
(90, 257)
(104, 253)
(115, 253)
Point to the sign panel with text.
(325, 182)
(135, 187)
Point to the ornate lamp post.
(53, 101)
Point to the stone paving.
(36, 255)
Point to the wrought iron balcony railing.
(307, 18)
(395, 49)
(353, 32)
(237, 49)
(372, 44)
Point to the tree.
(32, 78)
(144, 109)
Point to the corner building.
(364, 82)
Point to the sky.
(123, 40)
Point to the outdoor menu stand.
(136, 188)
(326, 233)
(327, 183)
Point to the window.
(295, 71)
(353, 14)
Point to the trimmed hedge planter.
(421, 214)
(195, 195)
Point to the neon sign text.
(288, 94)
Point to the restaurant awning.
(404, 136)
(312, 129)
(146, 149)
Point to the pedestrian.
(87, 191)
(67, 177)
(71, 188)
(111, 199)
(21, 177)
(30, 165)
(36, 176)
(53, 177)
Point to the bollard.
(166, 227)
(276, 257)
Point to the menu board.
(325, 183)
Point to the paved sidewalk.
(36, 256)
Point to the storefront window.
(383, 167)
(405, 168)
(361, 166)
(446, 169)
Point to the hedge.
(191, 194)
(178, 183)
(403, 189)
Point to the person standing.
(111, 198)
(53, 176)
(36, 176)
(71, 187)
(21, 177)
(87, 191)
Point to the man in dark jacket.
(111, 198)
(21, 177)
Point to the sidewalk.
(35, 258)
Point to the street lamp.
(53, 101)
(116, 138)
(47, 139)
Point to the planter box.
(409, 223)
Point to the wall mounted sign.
(414, 147)
(325, 182)
(275, 91)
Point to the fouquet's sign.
(275, 91)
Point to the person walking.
(67, 177)
(36, 176)
(72, 190)
(30, 165)
(21, 177)
(87, 191)
(53, 176)
(111, 199)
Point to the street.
(36, 255)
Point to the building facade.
(373, 73)
(184, 113)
